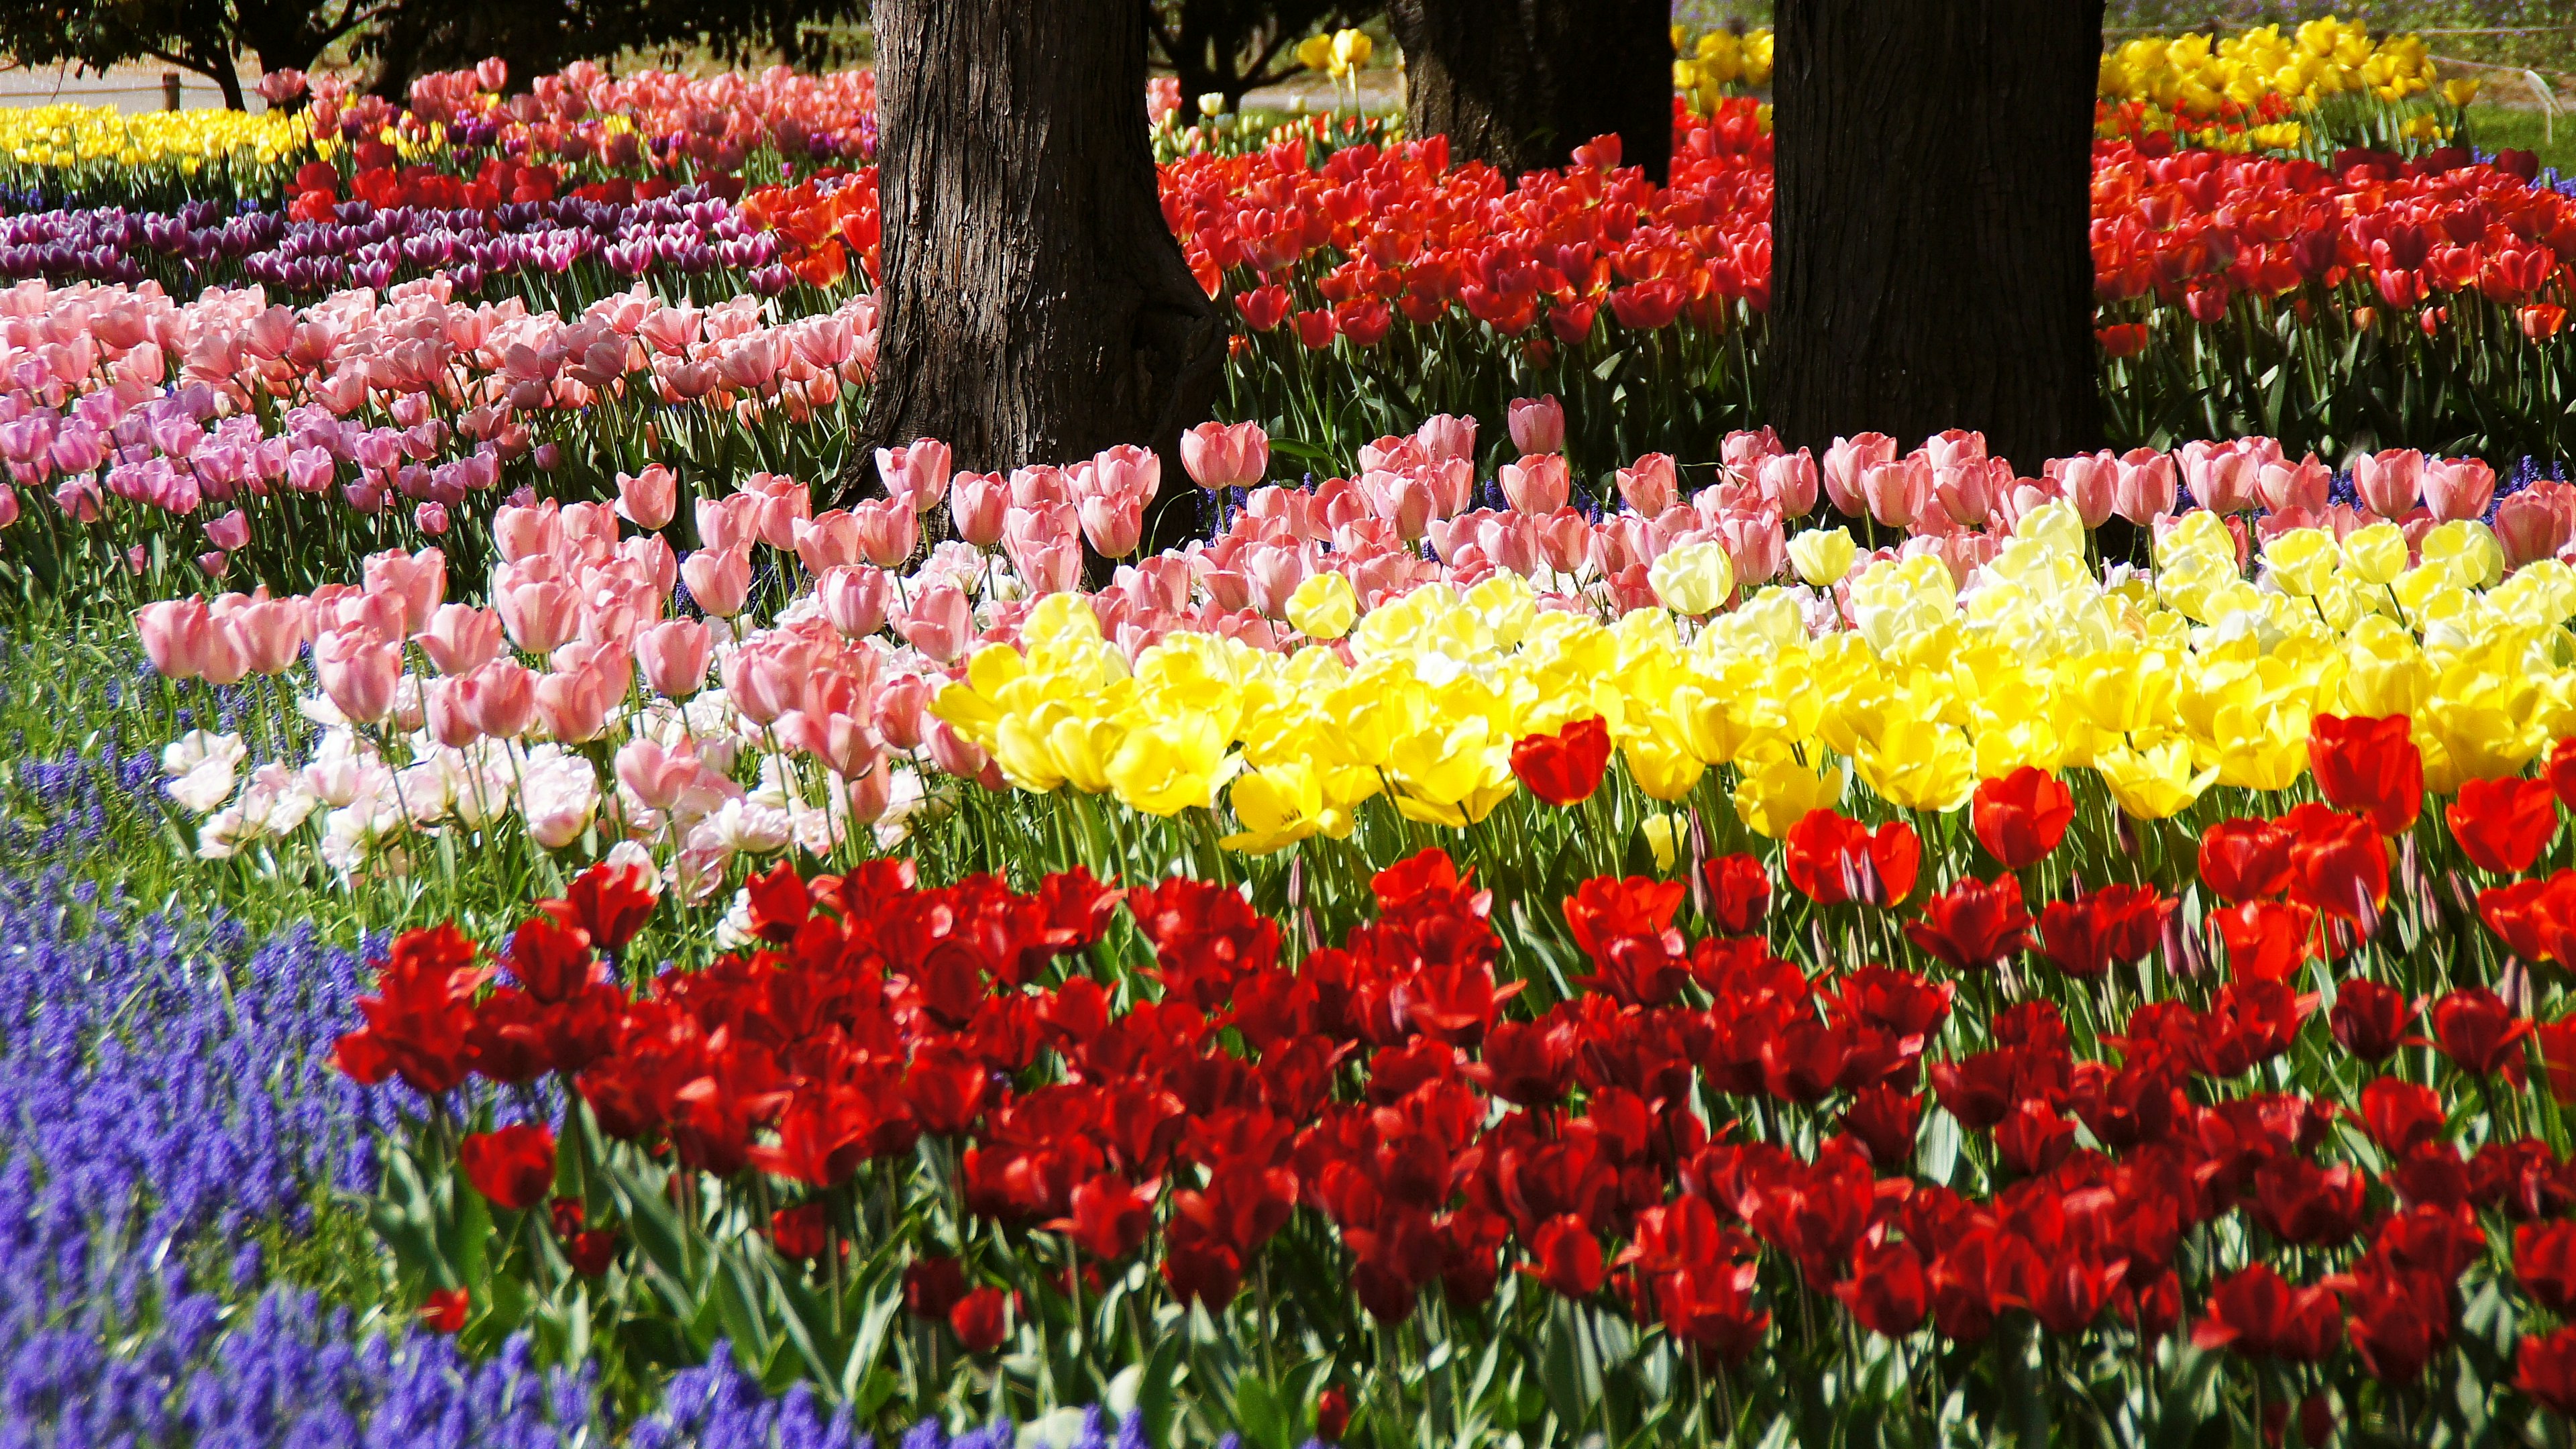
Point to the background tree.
(1036, 307)
(1235, 46)
(1521, 83)
(197, 35)
(1930, 234)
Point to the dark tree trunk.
(1932, 263)
(1036, 308)
(1521, 83)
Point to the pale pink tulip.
(1898, 493)
(2390, 481)
(1538, 484)
(648, 499)
(359, 670)
(2458, 488)
(1223, 455)
(977, 503)
(418, 580)
(673, 656)
(500, 697)
(1844, 463)
(720, 580)
(2144, 485)
(900, 709)
(918, 475)
(2536, 523)
(268, 633)
(1789, 481)
(175, 636)
(443, 712)
(854, 599)
(1443, 437)
(764, 683)
(728, 524)
(939, 622)
(2091, 482)
(575, 706)
(887, 531)
(1651, 486)
(2303, 486)
(1537, 424)
(520, 533)
(657, 776)
(460, 638)
(829, 540)
(541, 614)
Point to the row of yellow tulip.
(2165, 684)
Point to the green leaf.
(1258, 1415)
(1157, 1389)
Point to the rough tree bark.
(1931, 263)
(1036, 308)
(1521, 83)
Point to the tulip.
(2021, 818)
(1537, 424)
(1113, 523)
(267, 633)
(886, 531)
(938, 623)
(900, 709)
(1444, 437)
(358, 671)
(2389, 481)
(176, 636)
(459, 638)
(648, 499)
(1844, 463)
(1538, 484)
(977, 503)
(916, 476)
(854, 599)
(574, 705)
(1651, 486)
(499, 698)
(1694, 579)
(1566, 767)
(1221, 455)
(720, 581)
(2458, 488)
(1789, 481)
(829, 540)
(513, 1168)
(540, 615)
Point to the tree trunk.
(1035, 306)
(1930, 232)
(1521, 83)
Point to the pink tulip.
(939, 622)
(2303, 487)
(900, 709)
(1537, 424)
(963, 758)
(1404, 500)
(781, 501)
(1651, 486)
(1124, 471)
(887, 531)
(2092, 484)
(2389, 481)
(673, 655)
(1222, 455)
(916, 476)
(854, 600)
(1538, 484)
(2458, 488)
(8, 505)
(419, 581)
(1955, 448)
(1048, 568)
(1966, 491)
(1113, 522)
(648, 499)
(1789, 480)
(443, 712)
(359, 670)
(870, 792)
(2224, 477)
(764, 683)
(540, 614)
(846, 744)
(175, 634)
(1844, 462)
(720, 580)
(1756, 545)
(267, 633)
(1040, 486)
(977, 503)
(728, 524)
(2536, 523)
(460, 638)
(1443, 437)
(1897, 493)
(574, 706)
(520, 533)
(229, 532)
(655, 775)
(2144, 485)
(830, 540)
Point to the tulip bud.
(1537, 424)
(1823, 556)
(648, 499)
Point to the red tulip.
(2266, 940)
(2561, 771)
(2339, 863)
(1332, 1414)
(1833, 859)
(1566, 1257)
(1566, 767)
(2021, 817)
(2558, 1058)
(2244, 860)
(445, 1310)
(2398, 1115)
(514, 1168)
(2523, 916)
(2476, 1029)
(2400, 1319)
(2299, 1202)
(800, 1232)
(2109, 927)
(2544, 1261)
(932, 1285)
(1739, 893)
(2258, 1315)
(977, 1320)
(1110, 1219)
(2370, 1019)
(1974, 924)
(2370, 766)
(1886, 1292)
(2503, 825)
(2545, 1368)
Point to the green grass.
(2497, 128)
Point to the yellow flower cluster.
(1720, 63)
(2164, 684)
(2194, 75)
(63, 136)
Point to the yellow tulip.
(1323, 606)
(1694, 579)
(2153, 783)
(1775, 793)
(1277, 807)
(1663, 839)
(1919, 765)
(1822, 556)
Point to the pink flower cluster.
(118, 393)
(715, 121)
